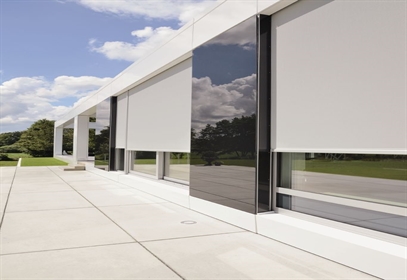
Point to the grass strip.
(47, 161)
(18, 155)
(8, 163)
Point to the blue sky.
(53, 53)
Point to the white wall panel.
(159, 117)
(339, 77)
(268, 7)
(121, 121)
(176, 47)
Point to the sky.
(54, 53)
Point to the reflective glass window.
(102, 135)
(144, 162)
(369, 177)
(177, 166)
(224, 95)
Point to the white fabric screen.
(160, 111)
(121, 121)
(339, 77)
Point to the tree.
(102, 144)
(236, 136)
(67, 141)
(38, 139)
(9, 138)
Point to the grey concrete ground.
(78, 225)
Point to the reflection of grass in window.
(179, 161)
(101, 162)
(388, 169)
(144, 161)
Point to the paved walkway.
(78, 225)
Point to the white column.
(160, 165)
(81, 138)
(58, 136)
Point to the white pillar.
(58, 136)
(159, 165)
(81, 138)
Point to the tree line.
(38, 140)
(234, 137)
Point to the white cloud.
(143, 33)
(148, 38)
(213, 103)
(181, 10)
(25, 100)
(243, 35)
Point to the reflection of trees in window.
(234, 139)
(102, 145)
(145, 155)
(365, 157)
(384, 166)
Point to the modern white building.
(285, 118)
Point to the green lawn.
(18, 155)
(388, 169)
(46, 161)
(8, 163)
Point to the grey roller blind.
(159, 117)
(339, 77)
(121, 121)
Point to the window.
(367, 190)
(144, 162)
(177, 167)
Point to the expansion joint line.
(160, 260)
(8, 197)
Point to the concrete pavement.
(78, 225)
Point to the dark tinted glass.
(223, 148)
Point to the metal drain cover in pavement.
(188, 222)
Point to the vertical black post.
(112, 142)
(264, 113)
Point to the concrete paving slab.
(33, 201)
(57, 229)
(125, 261)
(3, 201)
(163, 221)
(116, 197)
(5, 188)
(90, 185)
(77, 176)
(27, 179)
(41, 187)
(41, 172)
(7, 174)
(93, 182)
(245, 256)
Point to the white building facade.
(285, 118)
